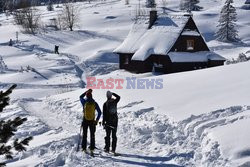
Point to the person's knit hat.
(109, 94)
(89, 95)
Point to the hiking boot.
(115, 154)
(92, 153)
(106, 150)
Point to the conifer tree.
(227, 27)
(8, 128)
(150, 3)
(190, 5)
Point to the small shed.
(167, 44)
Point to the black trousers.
(110, 130)
(91, 125)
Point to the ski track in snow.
(69, 61)
(93, 68)
(143, 135)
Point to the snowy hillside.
(198, 118)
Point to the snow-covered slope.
(198, 118)
(182, 124)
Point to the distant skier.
(110, 120)
(11, 42)
(89, 121)
(56, 49)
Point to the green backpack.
(89, 111)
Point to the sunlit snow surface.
(199, 118)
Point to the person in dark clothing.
(10, 42)
(110, 120)
(56, 49)
(89, 120)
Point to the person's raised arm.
(83, 95)
(117, 97)
(82, 98)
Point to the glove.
(95, 122)
(104, 125)
(90, 90)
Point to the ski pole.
(79, 139)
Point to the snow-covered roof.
(190, 33)
(159, 39)
(202, 56)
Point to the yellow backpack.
(89, 111)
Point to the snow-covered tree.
(3, 66)
(164, 5)
(50, 6)
(69, 17)
(8, 129)
(241, 58)
(139, 11)
(184, 5)
(190, 5)
(6, 5)
(2, 5)
(28, 19)
(21, 69)
(227, 27)
(150, 3)
(126, 2)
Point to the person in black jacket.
(56, 49)
(110, 120)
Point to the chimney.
(190, 14)
(152, 18)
